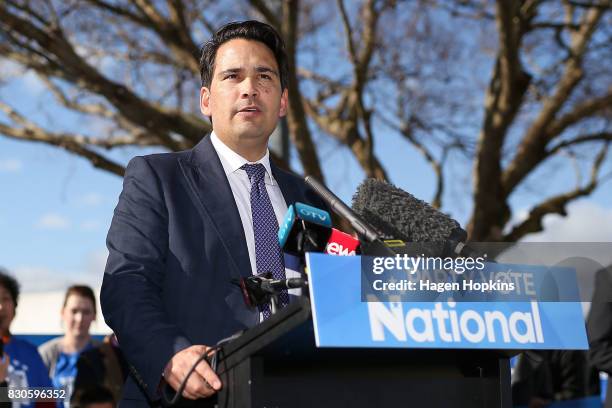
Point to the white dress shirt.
(241, 189)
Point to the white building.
(39, 313)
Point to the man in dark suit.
(188, 223)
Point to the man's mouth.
(250, 109)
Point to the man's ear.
(205, 101)
(283, 103)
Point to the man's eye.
(231, 76)
(266, 76)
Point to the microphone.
(400, 215)
(341, 243)
(261, 289)
(371, 244)
(304, 229)
(361, 227)
(276, 285)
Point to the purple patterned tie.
(268, 255)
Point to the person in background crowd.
(96, 396)
(599, 328)
(544, 376)
(61, 354)
(25, 368)
(102, 365)
(4, 365)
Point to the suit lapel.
(287, 185)
(204, 172)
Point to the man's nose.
(249, 88)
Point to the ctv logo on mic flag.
(313, 214)
(341, 243)
(304, 229)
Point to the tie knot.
(256, 172)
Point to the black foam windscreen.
(398, 214)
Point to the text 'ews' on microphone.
(341, 243)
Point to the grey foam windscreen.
(398, 214)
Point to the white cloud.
(585, 222)
(10, 165)
(40, 278)
(584, 242)
(91, 199)
(53, 221)
(36, 278)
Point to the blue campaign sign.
(341, 319)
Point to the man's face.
(244, 98)
(7, 310)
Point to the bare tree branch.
(119, 11)
(492, 185)
(557, 204)
(73, 68)
(265, 11)
(503, 100)
(581, 111)
(589, 4)
(297, 120)
(348, 32)
(602, 136)
(416, 66)
(175, 34)
(72, 143)
(343, 121)
(531, 150)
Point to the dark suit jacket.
(599, 327)
(175, 243)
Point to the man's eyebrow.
(259, 69)
(230, 71)
(266, 69)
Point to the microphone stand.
(260, 289)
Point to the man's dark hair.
(248, 30)
(10, 284)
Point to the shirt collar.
(232, 161)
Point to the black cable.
(212, 363)
(216, 352)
